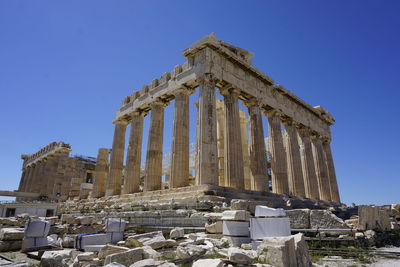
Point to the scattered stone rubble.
(208, 248)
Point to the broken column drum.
(302, 167)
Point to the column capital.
(159, 102)
(207, 78)
(184, 90)
(287, 121)
(121, 121)
(272, 113)
(229, 89)
(252, 102)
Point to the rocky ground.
(182, 246)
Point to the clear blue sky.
(65, 67)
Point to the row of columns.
(302, 167)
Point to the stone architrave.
(258, 159)
(117, 160)
(100, 174)
(180, 141)
(307, 161)
(153, 167)
(207, 133)
(320, 168)
(234, 172)
(278, 156)
(331, 172)
(133, 159)
(293, 159)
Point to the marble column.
(43, 178)
(258, 159)
(207, 134)
(100, 175)
(180, 141)
(293, 159)
(114, 178)
(37, 183)
(220, 141)
(28, 171)
(234, 172)
(320, 168)
(245, 149)
(22, 181)
(134, 156)
(32, 176)
(153, 170)
(307, 161)
(331, 172)
(278, 156)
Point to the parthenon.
(299, 134)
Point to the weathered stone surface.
(299, 218)
(189, 251)
(132, 242)
(302, 256)
(9, 221)
(146, 263)
(373, 218)
(155, 240)
(235, 215)
(85, 256)
(278, 251)
(7, 234)
(240, 256)
(126, 258)
(326, 219)
(54, 258)
(209, 263)
(214, 228)
(68, 241)
(114, 264)
(176, 233)
(149, 253)
(10, 245)
(110, 249)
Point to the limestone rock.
(235, 215)
(299, 218)
(155, 240)
(326, 219)
(68, 241)
(208, 263)
(10, 245)
(302, 255)
(9, 221)
(177, 232)
(53, 258)
(7, 234)
(189, 251)
(110, 249)
(278, 251)
(114, 264)
(146, 263)
(240, 256)
(149, 253)
(126, 258)
(131, 242)
(373, 218)
(214, 228)
(86, 256)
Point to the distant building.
(54, 174)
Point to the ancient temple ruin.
(52, 174)
(230, 150)
(300, 155)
